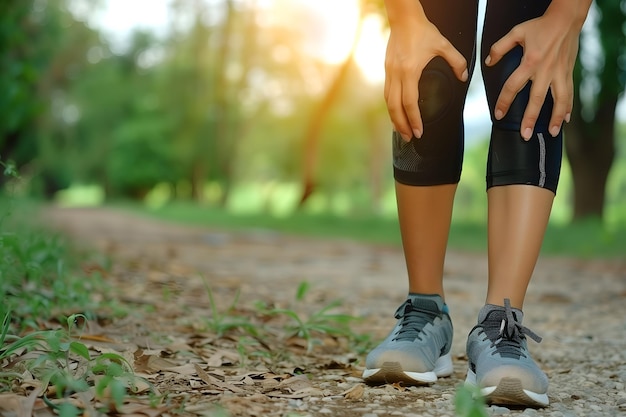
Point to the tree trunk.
(590, 148)
(224, 109)
(313, 133)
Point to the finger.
(386, 95)
(410, 97)
(536, 98)
(396, 111)
(560, 107)
(504, 45)
(570, 99)
(455, 59)
(512, 86)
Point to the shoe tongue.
(432, 303)
(494, 312)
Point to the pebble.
(497, 410)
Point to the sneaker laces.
(414, 318)
(507, 335)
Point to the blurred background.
(257, 106)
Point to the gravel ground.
(577, 306)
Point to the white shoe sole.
(392, 372)
(509, 391)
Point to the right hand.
(410, 48)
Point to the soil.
(206, 359)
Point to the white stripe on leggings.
(542, 160)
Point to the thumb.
(456, 61)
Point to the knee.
(439, 91)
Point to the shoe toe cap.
(531, 377)
(406, 357)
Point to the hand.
(550, 45)
(410, 48)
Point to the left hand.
(550, 45)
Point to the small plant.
(468, 402)
(9, 169)
(222, 322)
(323, 321)
(65, 367)
(37, 268)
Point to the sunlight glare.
(370, 53)
(332, 39)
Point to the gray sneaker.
(417, 350)
(499, 362)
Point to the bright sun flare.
(331, 24)
(335, 36)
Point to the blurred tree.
(315, 125)
(44, 48)
(21, 59)
(70, 44)
(591, 134)
(206, 77)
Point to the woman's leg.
(521, 178)
(517, 220)
(424, 215)
(427, 170)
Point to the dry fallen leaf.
(295, 383)
(17, 405)
(354, 393)
(399, 386)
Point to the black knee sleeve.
(512, 160)
(436, 157)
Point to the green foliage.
(17, 68)
(584, 239)
(468, 402)
(58, 358)
(223, 98)
(140, 157)
(221, 322)
(325, 322)
(9, 169)
(321, 322)
(35, 282)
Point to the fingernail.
(465, 75)
(488, 60)
(528, 132)
(499, 114)
(406, 137)
(567, 117)
(417, 133)
(554, 131)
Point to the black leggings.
(437, 157)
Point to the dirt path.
(577, 306)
